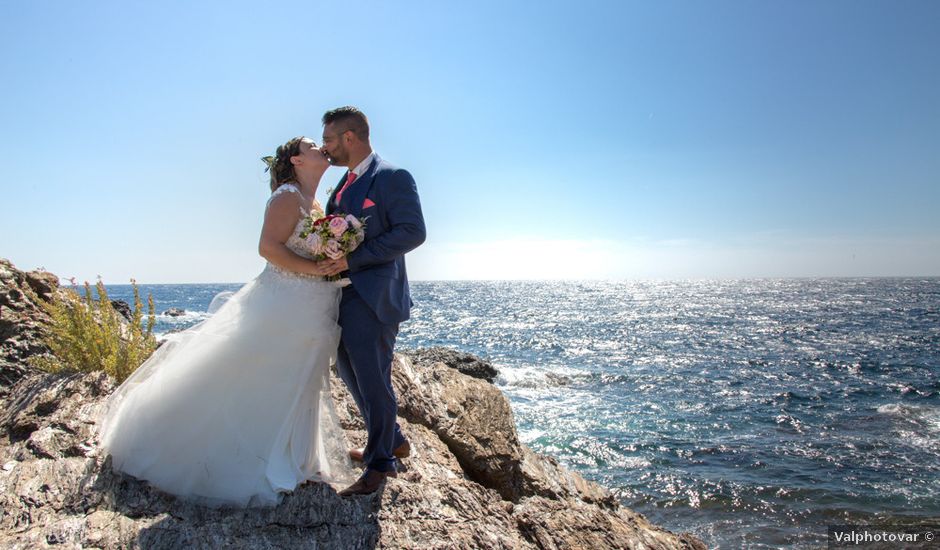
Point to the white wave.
(633, 463)
(928, 418)
(528, 436)
(891, 408)
(932, 420)
(186, 318)
(536, 377)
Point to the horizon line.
(575, 280)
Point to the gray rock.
(175, 312)
(124, 309)
(466, 363)
(470, 483)
(22, 319)
(474, 419)
(56, 488)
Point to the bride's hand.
(323, 268)
(318, 269)
(339, 265)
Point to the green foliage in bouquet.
(88, 335)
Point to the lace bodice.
(296, 244)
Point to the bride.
(237, 409)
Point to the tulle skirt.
(237, 409)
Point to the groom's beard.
(340, 158)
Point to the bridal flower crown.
(268, 162)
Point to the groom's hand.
(323, 268)
(338, 266)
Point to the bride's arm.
(279, 221)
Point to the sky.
(548, 140)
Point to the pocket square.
(367, 203)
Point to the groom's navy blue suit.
(378, 298)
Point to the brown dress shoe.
(369, 483)
(402, 451)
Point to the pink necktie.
(350, 177)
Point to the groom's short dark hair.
(349, 118)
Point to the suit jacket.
(394, 226)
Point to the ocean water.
(751, 413)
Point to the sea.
(751, 413)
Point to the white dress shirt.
(364, 165)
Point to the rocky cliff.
(470, 482)
(21, 319)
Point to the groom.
(378, 298)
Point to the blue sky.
(548, 139)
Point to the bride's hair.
(280, 167)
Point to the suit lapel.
(331, 201)
(354, 196)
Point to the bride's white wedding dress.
(237, 410)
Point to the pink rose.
(338, 227)
(353, 221)
(314, 243)
(333, 250)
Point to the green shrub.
(89, 335)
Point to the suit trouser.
(364, 362)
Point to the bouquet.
(332, 236)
